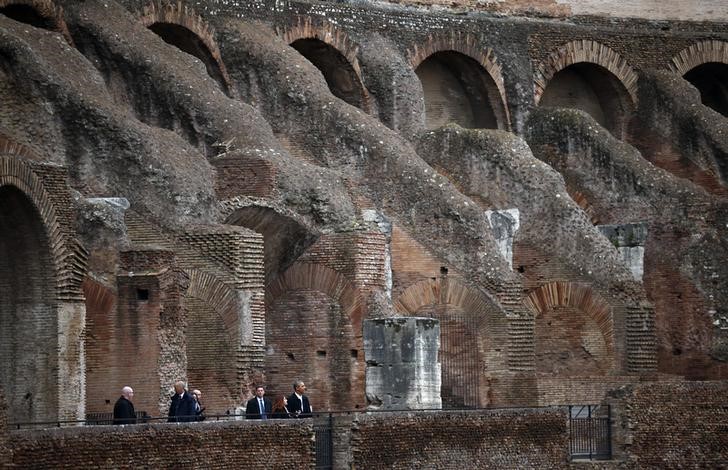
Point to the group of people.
(184, 406)
(187, 407)
(296, 405)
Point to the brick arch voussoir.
(440, 291)
(579, 51)
(698, 54)
(15, 172)
(48, 10)
(221, 297)
(323, 279)
(577, 295)
(306, 28)
(466, 44)
(183, 15)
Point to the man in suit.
(258, 407)
(182, 408)
(124, 408)
(298, 404)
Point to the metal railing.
(590, 432)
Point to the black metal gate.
(324, 443)
(590, 433)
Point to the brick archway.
(45, 10)
(220, 297)
(588, 51)
(579, 296)
(183, 16)
(469, 46)
(698, 54)
(474, 338)
(306, 30)
(313, 333)
(68, 256)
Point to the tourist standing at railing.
(298, 403)
(124, 408)
(280, 408)
(258, 407)
(182, 408)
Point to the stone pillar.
(402, 371)
(629, 240)
(505, 224)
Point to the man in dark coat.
(258, 407)
(298, 404)
(124, 408)
(182, 408)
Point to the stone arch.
(215, 328)
(331, 50)
(580, 297)
(15, 172)
(705, 65)
(39, 13)
(697, 54)
(473, 336)
(179, 25)
(470, 48)
(314, 328)
(31, 283)
(585, 51)
(222, 298)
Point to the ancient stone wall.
(673, 9)
(209, 445)
(671, 425)
(533, 438)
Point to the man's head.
(259, 391)
(197, 394)
(127, 392)
(299, 387)
(179, 387)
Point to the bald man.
(124, 408)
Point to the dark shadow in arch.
(28, 15)
(28, 324)
(711, 79)
(284, 238)
(594, 90)
(187, 41)
(340, 75)
(459, 90)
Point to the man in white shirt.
(258, 407)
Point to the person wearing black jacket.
(124, 408)
(182, 408)
(298, 404)
(258, 407)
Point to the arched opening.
(28, 15)
(285, 238)
(340, 76)
(459, 90)
(594, 90)
(711, 79)
(459, 355)
(28, 323)
(568, 343)
(187, 41)
(211, 365)
(302, 342)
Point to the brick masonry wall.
(495, 439)
(673, 425)
(221, 445)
